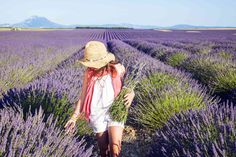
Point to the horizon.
(147, 13)
(184, 24)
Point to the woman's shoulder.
(120, 68)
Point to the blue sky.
(144, 12)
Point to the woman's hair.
(109, 67)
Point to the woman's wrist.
(75, 116)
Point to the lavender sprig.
(118, 110)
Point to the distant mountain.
(42, 22)
(37, 22)
(5, 25)
(185, 26)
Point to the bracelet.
(75, 114)
(75, 119)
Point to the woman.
(101, 84)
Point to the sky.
(141, 12)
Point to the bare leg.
(115, 137)
(103, 141)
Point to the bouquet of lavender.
(118, 110)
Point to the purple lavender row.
(31, 136)
(164, 146)
(62, 78)
(66, 78)
(26, 55)
(155, 50)
(131, 56)
(177, 35)
(207, 132)
(56, 91)
(217, 73)
(108, 34)
(225, 49)
(172, 35)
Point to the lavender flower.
(33, 137)
(206, 132)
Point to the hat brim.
(99, 63)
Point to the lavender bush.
(218, 74)
(51, 102)
(56, 92)
(40, 69)
(26, 55)
(206, 132)
(160, 96)
(177, 59)
(33, 137)
(211, 70)
(179, 92)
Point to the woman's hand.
(129, 98)
(70, 126)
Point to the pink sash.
(91, 77)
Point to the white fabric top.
(103, 96)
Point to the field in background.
(47, 29)
(185, 70)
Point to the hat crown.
(95, 50)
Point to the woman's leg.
(103, 141)
(115, 137)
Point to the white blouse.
(103, 95)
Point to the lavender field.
(184, 105)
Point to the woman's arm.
(130, 95)
(120, 69)
(79, 104)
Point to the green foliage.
(77, 65)
(83, 128)
(225, 55)
(19, 76)
(36, 136)
(160, 96)
(176, 59)
(225, 81)
(155, 80)
(23, 73)
(118, 111)
(51, 102)
(205, 50)
(218, 75)
(206, 132)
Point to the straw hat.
(96, 55)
